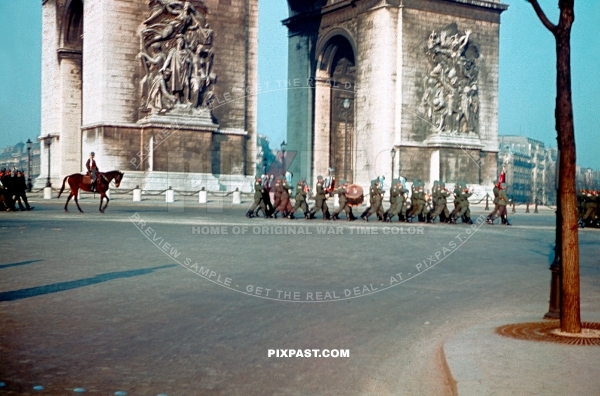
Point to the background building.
(159, 90)
(19, 157)
(420, 77)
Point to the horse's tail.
(63, 186)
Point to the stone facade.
(425, 82)
(94, 97)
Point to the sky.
(527, 80)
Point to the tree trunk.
(570, 319)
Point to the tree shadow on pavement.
(63, 286)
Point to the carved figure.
(450, 100)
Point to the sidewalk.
(483, 362)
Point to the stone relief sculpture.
(177, 59)
(450, 101)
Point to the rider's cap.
(92, 153)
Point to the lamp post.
(48, 142)
(29, 145)
(346, 105)
(283, 147)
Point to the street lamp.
(48, 141)
(283, 147)
(393, 155)
(346, 105)
(29, 145)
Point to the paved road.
(149, 300)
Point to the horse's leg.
(77, 201)
(101, 199)
(67, 203)
(107, 199)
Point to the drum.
(354, 195)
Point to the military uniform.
(441, 204)
(591, 206)
(375, 197)
(321, 201)
(20, 186)
(343, 203)
(397, 201)
(300, 200)
(502, 202)
(284, 206)
(492, 216)
(258, 202)
(465, 211)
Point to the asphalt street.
(152, 299)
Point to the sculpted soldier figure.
(321, 201)
(258, 199)
(92, 170)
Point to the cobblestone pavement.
(148, 299)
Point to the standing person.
(258, 199)
(343, 202)
(301, 192)
(591, 206)
(376, 197)
(7, 182)
(19, 190)
(92, 170)
(492, 216)
(502, 202)
(321, 201)
(267, 181)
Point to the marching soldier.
(457, 198)
(465, 211)
(502, 202)
(321, 201)
(267, 181)
(492, 216)
(375, 197)
(258, 199)
(440, 195)
(418, 201)
(301, 193)
(277, 189)
(341, 192)
(397, 198)
(7, 182)
(284, 207)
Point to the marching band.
(424, 205)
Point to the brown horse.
(77, 182)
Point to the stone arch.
(72, 26)
(335, 105)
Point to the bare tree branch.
(540, 13)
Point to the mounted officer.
(92, 170)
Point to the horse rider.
(92, 170)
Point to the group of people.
(422, 205)
(587, 208)
(13, 189)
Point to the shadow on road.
(2, 266)
(63, 286)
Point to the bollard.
(170, 195)
(137, 194)
(47, 192)
(535, 209)
(513, 209)
(237, 197)
(527, 208)
(487, 198)
(202, 196)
